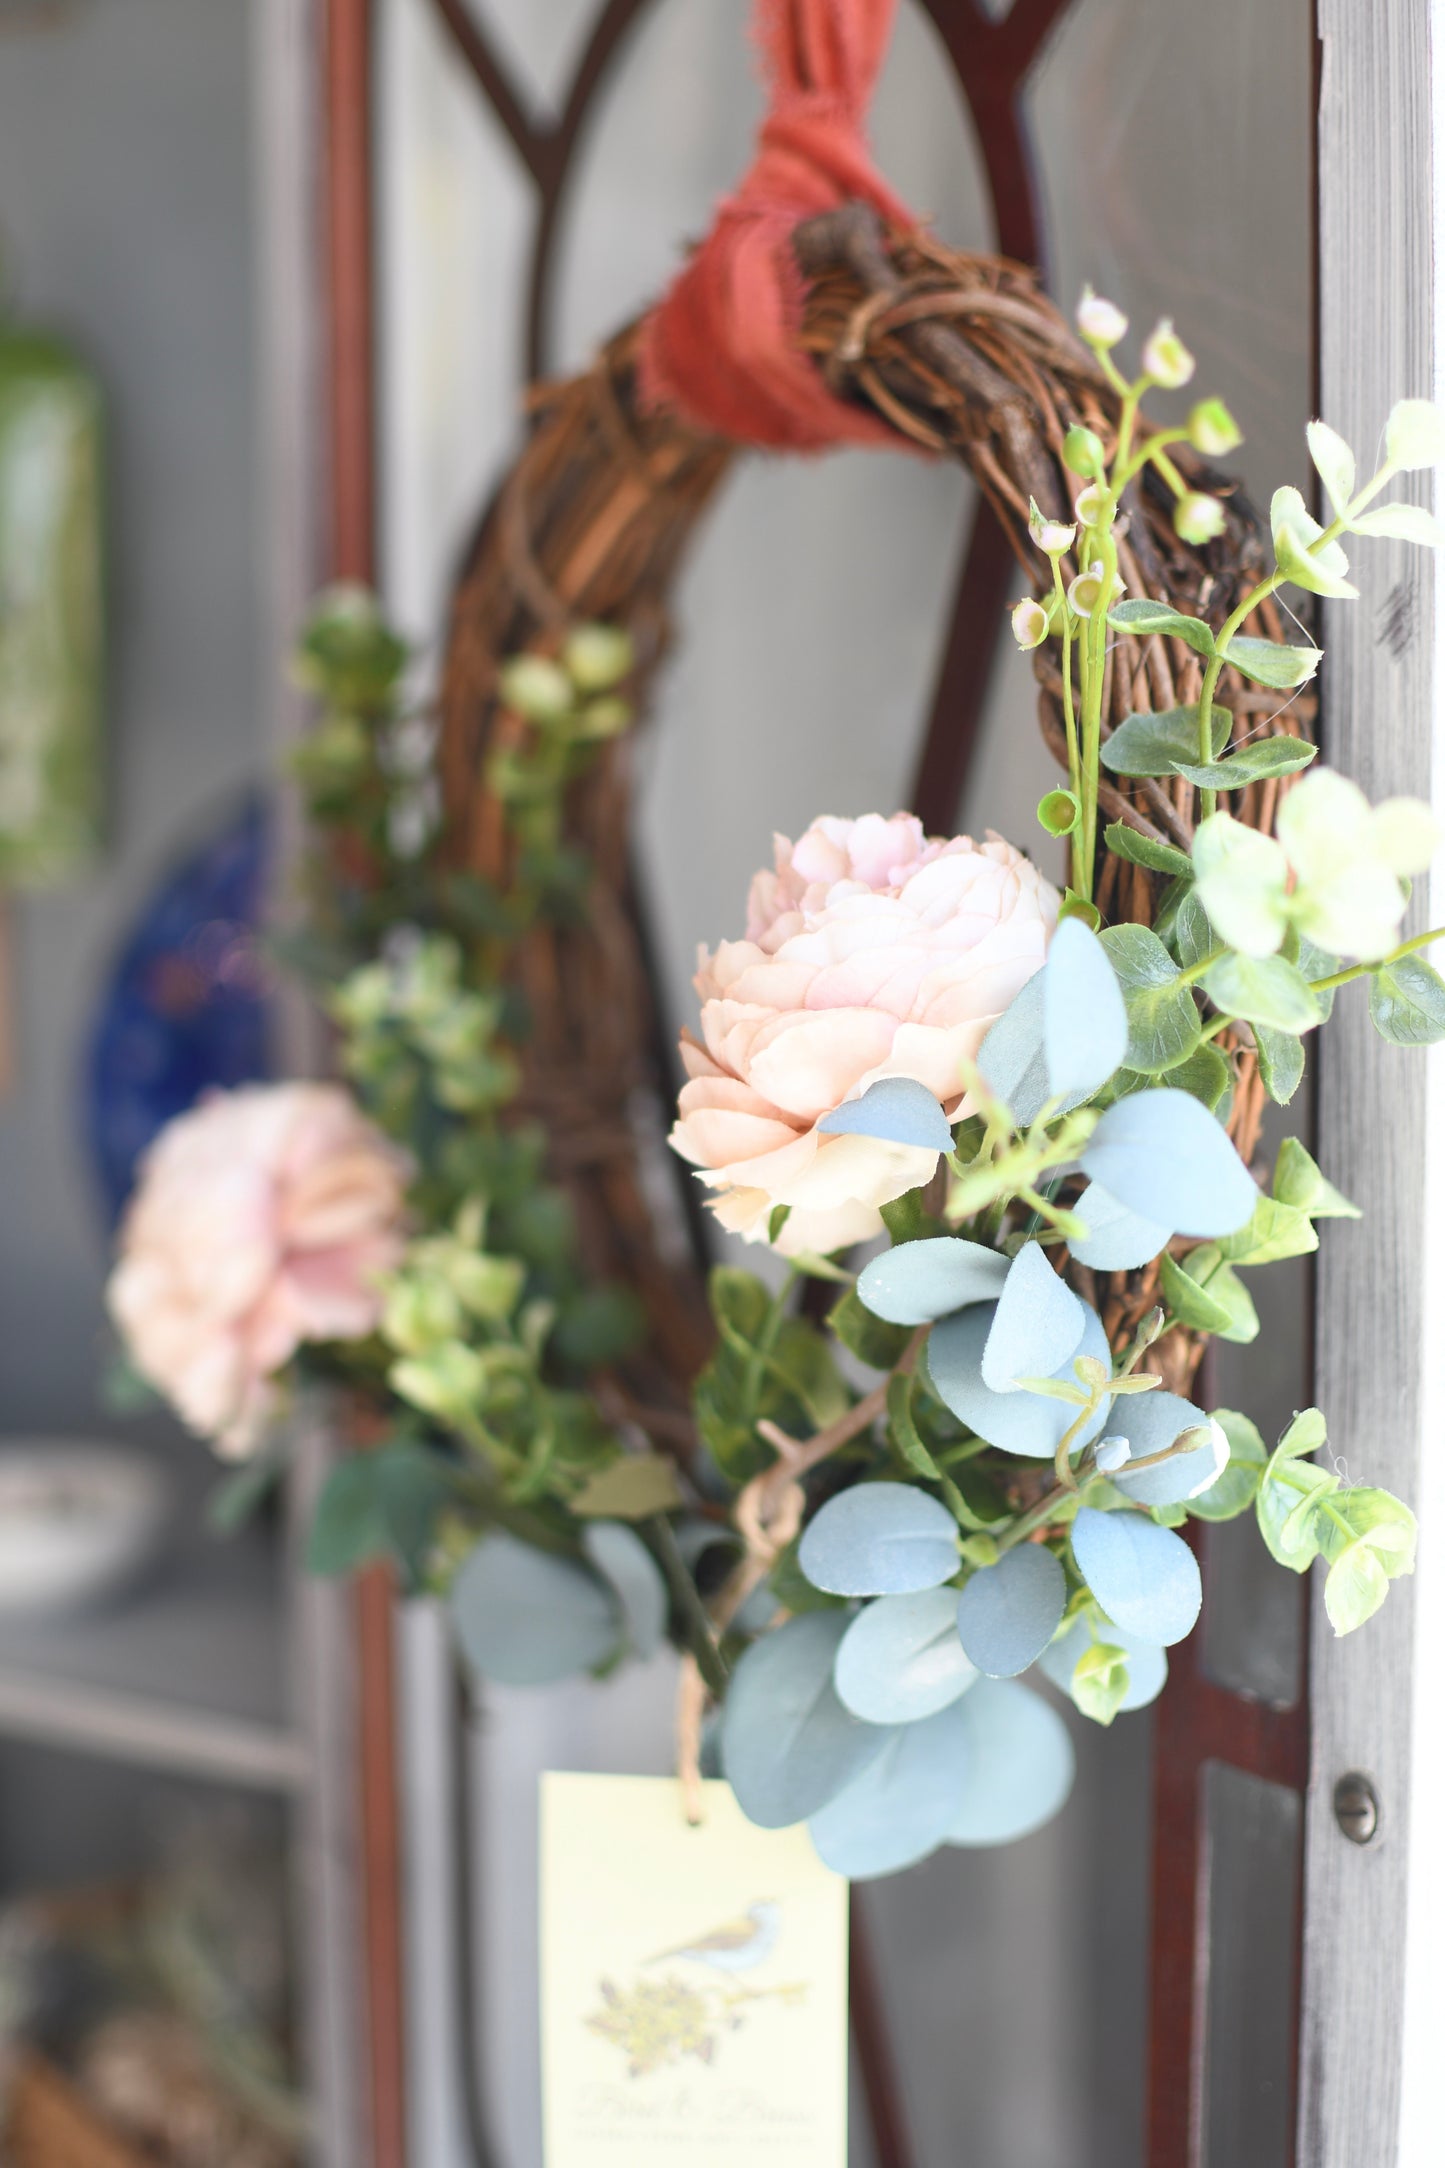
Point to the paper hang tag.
(694, 1983)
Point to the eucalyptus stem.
(1360, 971)
(700, 1637)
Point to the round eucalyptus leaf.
(1038, 1322)
(1148, 1665)
(1151, 1422)
(631, 1572)
(1165, 1156)
(525, 1617)
(1019, 1422)
(1118, 1240)
(900, 1808)
(901, 1659)
(1009, 1613)
(1021, 1766)
(788, 1743)
(916, 1282)
(898, 1109)
(1143, 1577)
(1011, 1059)
(880, 1539)
(1085, 1026)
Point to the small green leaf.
(1233, 1490)
(1402, 523)
(1191, 935)
(1355, 1587)
(1298, 1182)
(1140, 850)
(1251, 763)
(631, 1488)
(1287, 1510)
(1058, 812)
(1187, 1300)
(1100, 1681)
(1163, 1019)
(874, 1342)
(1407, 1002)
(1281, 1062)
(1334, 463)
(778, 1220)
(1275, 1230)
(1272, 662)
(1142, 617)
(1209, 1297)
(1150, 744)
(1263, 990)
(348, 1526)
(1305, 1435)
(1205, 1076)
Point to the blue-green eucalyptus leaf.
(526, 1617)
(1165, 1156)
(1020, 1769)
(631, 1572)
(898, 1809)
(1009, 1613)
(880, 1539)
(1152, 1422)
(1143, 1577)
(1118, 1240)
(1085, 1026)
(1020, 1422)
(897, 1109)
(917, 1282)
(901, 1659)
(788, 1743)
(1038, 1323)
(1011, 1059)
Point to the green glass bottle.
(51, 610)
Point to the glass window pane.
(1254, 1832)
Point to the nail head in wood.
(1357, 1809)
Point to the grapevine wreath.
(861, 1502)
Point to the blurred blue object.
(184, 1006)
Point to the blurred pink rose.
(871, 951)
(262, 1218)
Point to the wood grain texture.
(1376, 311)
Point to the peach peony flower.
(262, 1218)
(871, 951)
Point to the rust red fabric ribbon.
(721, 346)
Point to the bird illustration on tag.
(662, 2020)
(738, 1945)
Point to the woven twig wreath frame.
(963, 354)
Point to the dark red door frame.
(350, 423)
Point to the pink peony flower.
(262, 1218)
(871, 951)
